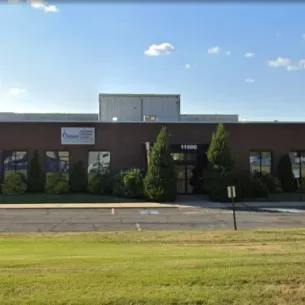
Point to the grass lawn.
(218, 267)
(282, 197)
(63, 198)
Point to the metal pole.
(234, 216)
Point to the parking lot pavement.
(86, 220)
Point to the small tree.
(220, 173)
(286, 175)
(160, 180)
(35, 177)
(219, 155)
(78, 181)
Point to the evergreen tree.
(35, 176)
(220, 173)
(78, 181)
(160, 180)
(285, 174)
(219, 155)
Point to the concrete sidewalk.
(138, 205)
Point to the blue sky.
(57, 57)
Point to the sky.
(224, 58)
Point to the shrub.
(216, 184)
(301, 188)
(160, 179)
(286, 175)
(260, 189)
(268, 180)
(56, 184)
(129, 184)
(14, 184)
(35, 177)
(78, 178)
(246, 187)
(99, 183)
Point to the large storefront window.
(98, 162)
(58, 162)
(260, 162)
(15, 161)
(298, 164)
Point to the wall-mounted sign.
(77, 135)
(189, 146)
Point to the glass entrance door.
(185, 163)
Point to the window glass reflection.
(260, 162)
(98, 162)
(178, 156)
(58, 162)
(15, 161)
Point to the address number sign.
(189, 146)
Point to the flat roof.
(150, 122)
(137, 94)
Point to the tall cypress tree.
(286, 175)
(36, 176)
(220, 168)
(160, 179)
(219, 155)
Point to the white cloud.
(279, 62)
(214, 50)
(249, 54)
(228, 53)
(38, 4)
(16, 91)
(303, 36)
(292, 68)
(159, 49)
(187, 66)
(249, 80)
(287, 64)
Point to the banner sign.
(77, 135)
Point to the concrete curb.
(92, 206)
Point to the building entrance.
(190, 161)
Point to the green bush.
(301, 188)
(14, 184)
(99, 183)
(78, 181)
(285, 174)
(160, 180)
(246, 187)
(260, 189)
(56, 184)
(129, 184)
(268, 180)
(216, 183)
(35, 176)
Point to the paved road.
(77, 220)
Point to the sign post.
(232, 195)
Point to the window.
(15, 161)
(98, 162)
(260, 162)
(150, 118)
(178, 156)
(298, 163)
(58, 162)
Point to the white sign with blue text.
(77, 135)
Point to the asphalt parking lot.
(86, 220)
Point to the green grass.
(215, 268)
(63, 198)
